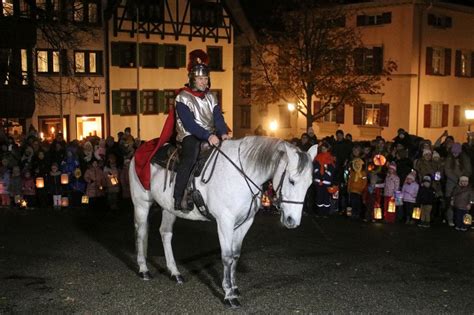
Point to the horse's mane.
(264, 153)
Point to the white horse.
(232, 197)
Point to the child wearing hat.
(425, 198)
(461, 200)
(409, 193)
(392, 184)
(356, 186)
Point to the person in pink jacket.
(409, 192)
(392, 184)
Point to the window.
(438, 61)
(50, 125)
(6, 56)
(464, 63)
(368, 61)
(25, 61)
(285, 116)
(48, 61)
(87, 126)
(124, 54)
(376, 115)
(329, 114)
(124, 102)
(459, 117)
(149, 11)
(149, 102)
(88, 62)
(25, 10)
(7, 7)
(245, 114)
(436, 115)
(49, 8)
(206, 14)
(245, 56)
(215, 58)
(440, 21)
(175, 56)
(365, 20)
(86, 11)
(149, 55)
(169, 96)
(245, 85)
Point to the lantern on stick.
(379, 160)
(64, 202)
(64, 179)
(378, 213)
(23, 203)
(467, 219)
(113, 180)
(39, 182)
(391, 205)
(266, 202)
(416, 213)
(85, 199)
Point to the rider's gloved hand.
(213, 140)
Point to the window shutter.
(447, 61)
(378, 60)
(156, 101)
(387, 17)
(160, 96)
(444, 118)
(181, 56)
(360, 20)
(359, 60)
(456, 116)
(340, 114)
(427, 116)
(64, 62)
(116, 103)
(429, 60)
(160, 55)
(115, 54)
(316, 109)
(142, 102)
(384, 114)
(457, 63)
(357, 114)
(431, 19)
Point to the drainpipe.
(107, 73)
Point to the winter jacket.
(426, 195)
(462, 197)
(392, 184)
(357, 186)
(96, 182)
(409, 192)
(455, 168)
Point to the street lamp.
(469, 114)
(291, 107)
(273, 125)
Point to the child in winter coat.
(29, 189)
(14, 188)
(392, 184)
(461, 200)
(356, 185)
(53, 184)
(112, 173)
(426, 198)
(323, 178)
(409, 193)
(95, 179)
(77, 188)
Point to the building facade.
(433, 46)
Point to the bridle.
(278, 200)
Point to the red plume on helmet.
(196, 57)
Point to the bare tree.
(313, 53)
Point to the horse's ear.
(313, 151)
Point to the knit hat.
(464, 178)
(426, 151)
(436, 155)
(456, 148)
(393, 166)
(411, 175)
(427, 178)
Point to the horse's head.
(291, 181)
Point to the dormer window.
(375, 19)
(440, 21)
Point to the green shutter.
(142, 102)
(116, 104)
(181, 56)
(115, 49)
(160, 101)
(160, 55)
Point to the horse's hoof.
(232, 303)
(236, 292)
(145, 275)
(178, 279)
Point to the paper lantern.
(23, 203)
(39, 182)
(398, 198)
(266, 202)
(64, 202)
(85, 199)
(378, 213)
(349, 211)
(113, 180)
(64, 179)
(391, 205)
(416, 213)
(379, 160)
(467, 219)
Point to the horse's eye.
(292, 182)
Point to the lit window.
(80, 62)
(93, 62)
(7, 7)
(371, 114)
(24, 67)
(56, 61)
(78, 11)
(436, 115)
(42, 61)
(438, 60)
(329, 114)
(92, 10)
(88, 62)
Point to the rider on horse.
(198, 118)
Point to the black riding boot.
(188, 157)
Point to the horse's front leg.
(239, 235)
(142, 208)
(225, 228)
(166, 231)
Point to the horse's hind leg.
(142, 208)
(166, 231)
(239, 235)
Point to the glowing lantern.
(379, 160)
(391, 205)
(85, 199)
(23, 203)
(467, 219)
(378, 213)
(39, 182)
(64, 179)
(370, 167)
(349, 211)
(398, 198)
(416, 213)
(266, 202)
(64, 202)
(113, 180)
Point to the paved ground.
(72, 262)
